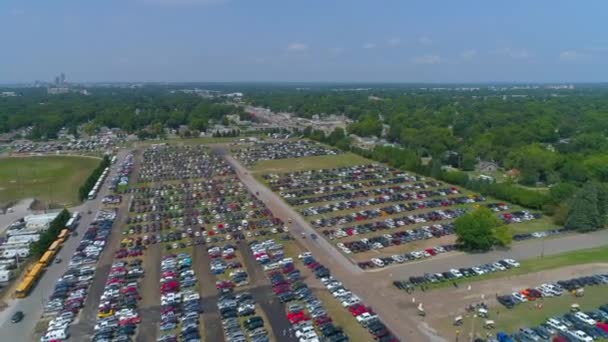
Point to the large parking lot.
(190, 207)
(378, 215)
(253, 152)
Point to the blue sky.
(304, 40)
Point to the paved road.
(20, 209)
(32, 306)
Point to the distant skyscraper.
(62, 78)
(57, 80)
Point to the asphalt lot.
(32, 306)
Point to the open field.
(309, 163)
(584, 256)
(53, 179)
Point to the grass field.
(53, 179)
(583, 256)
(529, 315)
(542, 224)
(309, 163)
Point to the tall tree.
(584, 214)
(475, 230)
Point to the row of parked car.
(370, 174)
(349, 300)
(180, 300)
(575, 326)
(124, 173)
(552, 289)
(72, 287)
(457, 273)
(260, 150)
(415, 200)
(379, 262)
(391, 193)
(233, 309)
(117, 314)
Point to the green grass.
(53, 179)
(528, 315)
(583, 256)
(542, 224)
(309, 163)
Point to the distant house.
(513, 173)
(486, 166)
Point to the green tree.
(584, 214)
(503, 236)
(475, 230)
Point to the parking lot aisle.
(206, 283)
(83, 329)
(263, 295)
(150, 292)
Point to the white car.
(580, 335)
(378, 262)
(557, 325)
(585, 318)
(519, 297)
(456, 273)
(304, 331)
(364, 317)
(512, 262)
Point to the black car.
(17, 317)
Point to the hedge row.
(88, 185)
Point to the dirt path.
(206, 283)
(264, 297)
(150, 292)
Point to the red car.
(357, 309)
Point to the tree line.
(89, 183)
(50, 235)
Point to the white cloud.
(427, 59)
(297, 47)
(369, 45)
(468, 54)
(425, 40)
(569, 55)
(394, 42)
(515, 53)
